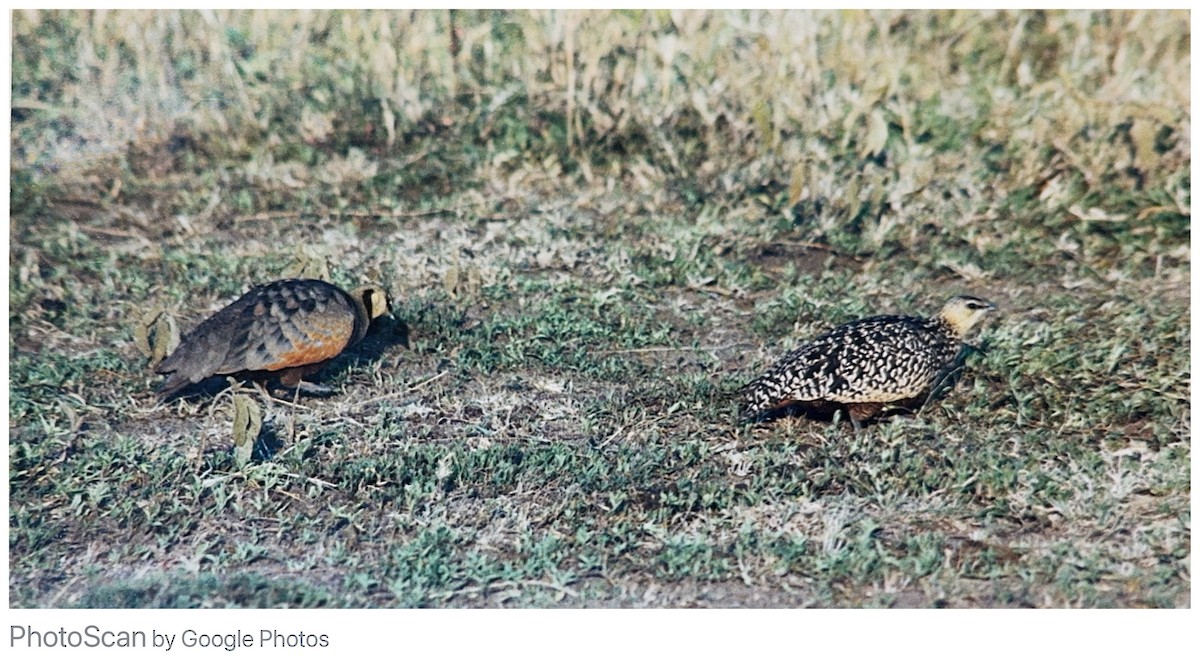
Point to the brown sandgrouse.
(286, 329)
(867, 364)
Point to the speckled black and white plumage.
(867, 363)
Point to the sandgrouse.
(286, 329)
(867, 364)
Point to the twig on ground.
(703, 348)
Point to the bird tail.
(174, 383)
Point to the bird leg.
(313, 389)
(293, 378)
(860, 412)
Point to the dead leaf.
(1142, 135)
(451, 279)
(308, 265)
(247, 423)
(156, 334)
(877, 134)
(798, 183)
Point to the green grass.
(585, 279)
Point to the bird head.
(375, 300)
(963, 312)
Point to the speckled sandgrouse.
(867, 364)
(286, 329)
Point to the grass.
(596, 226)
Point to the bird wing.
(290, 324)
(804, 374)
(271, 327)
(204, 351)
(884, 358)
(886, 363)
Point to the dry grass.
(597, 226)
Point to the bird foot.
(309, 389)
(860, 412)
